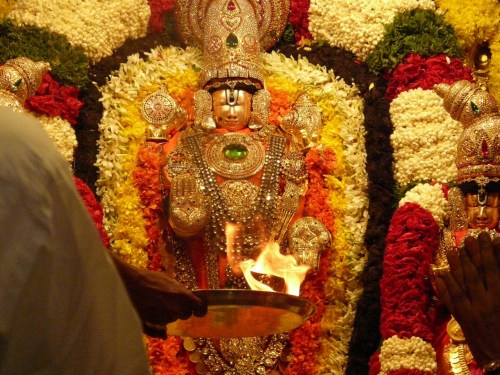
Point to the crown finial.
(478, 147)
(19, 80)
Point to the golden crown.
(478, 148)
(232, 34)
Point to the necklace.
(265, 201)
(235, 156)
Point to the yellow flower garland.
(476, 22)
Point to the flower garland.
(122, 134)
(62, 135)
(343, 134)
(5, 7)
(93, 207)
(411, 243)
(52, 99)
(96, 27)
(377, 129)
(418, 72)
(419, 356)
(147, 182)
(158, 10)
(420, 31)
(299, 19)
(494, 83)
(424, 138)
(431, 198)
(305, 343)
(476, 23)
(357, 25)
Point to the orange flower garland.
(305, 339)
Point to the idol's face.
(232, 108)
(482, 210)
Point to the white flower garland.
(424, 138)
(62, 134)
(97, 27)
(431, 198)
(413, 354)
(356, 25)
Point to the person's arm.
(158, 298)
(471, 291)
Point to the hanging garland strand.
(381, 190)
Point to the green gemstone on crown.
(17, 84)
(235, 152)
(475, 108)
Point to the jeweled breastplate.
(257, 211)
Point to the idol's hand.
(471, 291)
(188, 208)
(158, 298)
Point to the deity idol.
(231, 171)
(474, 202)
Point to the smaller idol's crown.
(22, 77)
(478, 147)
(162, 113)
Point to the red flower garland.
(158, 10)
(412, 240)
(419, 72)
(93, 207)
(405, 296)
(299, 19)
(305, 339)
(52, 99)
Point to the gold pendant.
(454, 331)
(235, 156)
(239, 197)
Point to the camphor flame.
(269, 262)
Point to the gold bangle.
(492, 366)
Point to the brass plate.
(234, 313)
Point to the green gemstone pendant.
(17, 84)
(235, 152)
